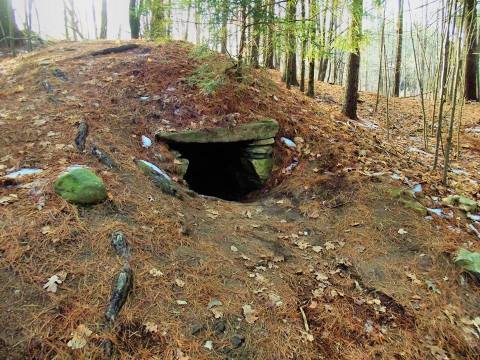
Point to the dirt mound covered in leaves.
(323, 263)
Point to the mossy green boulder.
(81, 186)
(469, 261)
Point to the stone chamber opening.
(226, 170)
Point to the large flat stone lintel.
(258, 130)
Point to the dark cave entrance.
(219, 169)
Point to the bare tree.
(103, 20)
(351, 88)
(471, 48)
(398, 54)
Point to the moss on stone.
(81, 186)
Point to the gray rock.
(219, 327)
(158, 176)
(197, 329)
(237, 341)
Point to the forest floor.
(324, 263)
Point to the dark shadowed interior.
(218, 169)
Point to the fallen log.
(114, 50)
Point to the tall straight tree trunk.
(28, 21)
(456, 77)
(398, 53)
(197, 22)
(94, 15)
(134, 19)
(187, 22)
(312, 4)
(382, 42)
(65, 21)
(471, 65)
(351, 89)
(256, 19)
(304, 48)
(443, 83)
(269, 48)
(224, 30)
(291, 66)
(243, 35)
(103, 20)
(326, 40)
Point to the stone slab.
(259, 130)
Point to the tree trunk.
(382, 42)
(304, 48)
(243, 29)
(197, 22)
(7, 22)
(134, 19)
(103, 20)
(471, 65)
(157, 26)
(187, 23)
(398, 56)
(311, 62)
(291, 66)
(94, 15)
(256, 19)
(224, 29)
(269, 48)
(443, 83)
(351, 89)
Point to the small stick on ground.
(305, 321)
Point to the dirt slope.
(319, 255)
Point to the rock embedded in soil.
(123, 286)
(237, 341)
(158, 176)
(219, 327)
(80, 186)
(197, 329)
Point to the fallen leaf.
(52, 284)
(217, 313)
(329, 246)
(155, 272)
(249, 314)
(151, 327)
(180, 283)
(213, 303)
(413, 278)
(8, 199)
(274, 300)
(79, 339)
(402, 231)
(179, 353)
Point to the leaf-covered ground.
(324, 263)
